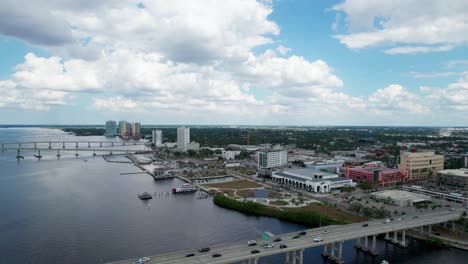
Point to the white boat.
(184, 188)
(384, 262)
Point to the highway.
(235, 252)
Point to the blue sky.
(285, 62)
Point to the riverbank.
(309, 216)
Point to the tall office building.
(421, 165)
(183, 138)
(157, 137)
(111, 128)
(136, 135)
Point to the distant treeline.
(308, 218)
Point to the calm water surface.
(76, 211)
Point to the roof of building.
(459, 172)
(403, 195)
(307, 174)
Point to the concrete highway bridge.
(67, 144)
(76, 146)
(333, 238)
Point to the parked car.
(283, 246)
(255, 251)
(325, 232)
(204, 249)
(216, 255)
(144, 259)
(295, 237)
(318, 239)
(386, 221)
(302, 233)
(251, 243)
(365, 225)
(189, 255)
(277, 239)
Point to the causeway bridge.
(76, 146)
(332, 244)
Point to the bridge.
(333, 238)
(76, 146)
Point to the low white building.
(230, 154)
(193, 145)
(312, 180)
(402, 198)
(230, 164)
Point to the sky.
(234, 62)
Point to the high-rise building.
(272, 158)
(126, 130)
(136, 135)
(111, 128)
(119, 127)
(183, 138)
(157, 137)
(421, 165)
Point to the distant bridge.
(76, 146)
(332, 242)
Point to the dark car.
(255, 251)
(277, 239)
(204, 250)
(283, 246)
(437, 234)
(189, 255)
(217, 255)
(365, 225)
(302, 233)
(295, 237)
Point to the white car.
(386, 221)
(144, 259)
(398, 219)
(252, 243)
(318, 239)
(325, 232)
(269, 245)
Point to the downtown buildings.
(183, 138)
(373, 175)
(157, 137)
(269, 159)
(421, 165)
(127, 130)
(111, 128)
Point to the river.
(82, 210)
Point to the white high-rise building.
(183, 138)
(273, 158)
(111, 128)
(157, 137)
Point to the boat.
(184, 188)
(145, 196)
(384, 262)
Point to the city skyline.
(398, 63)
